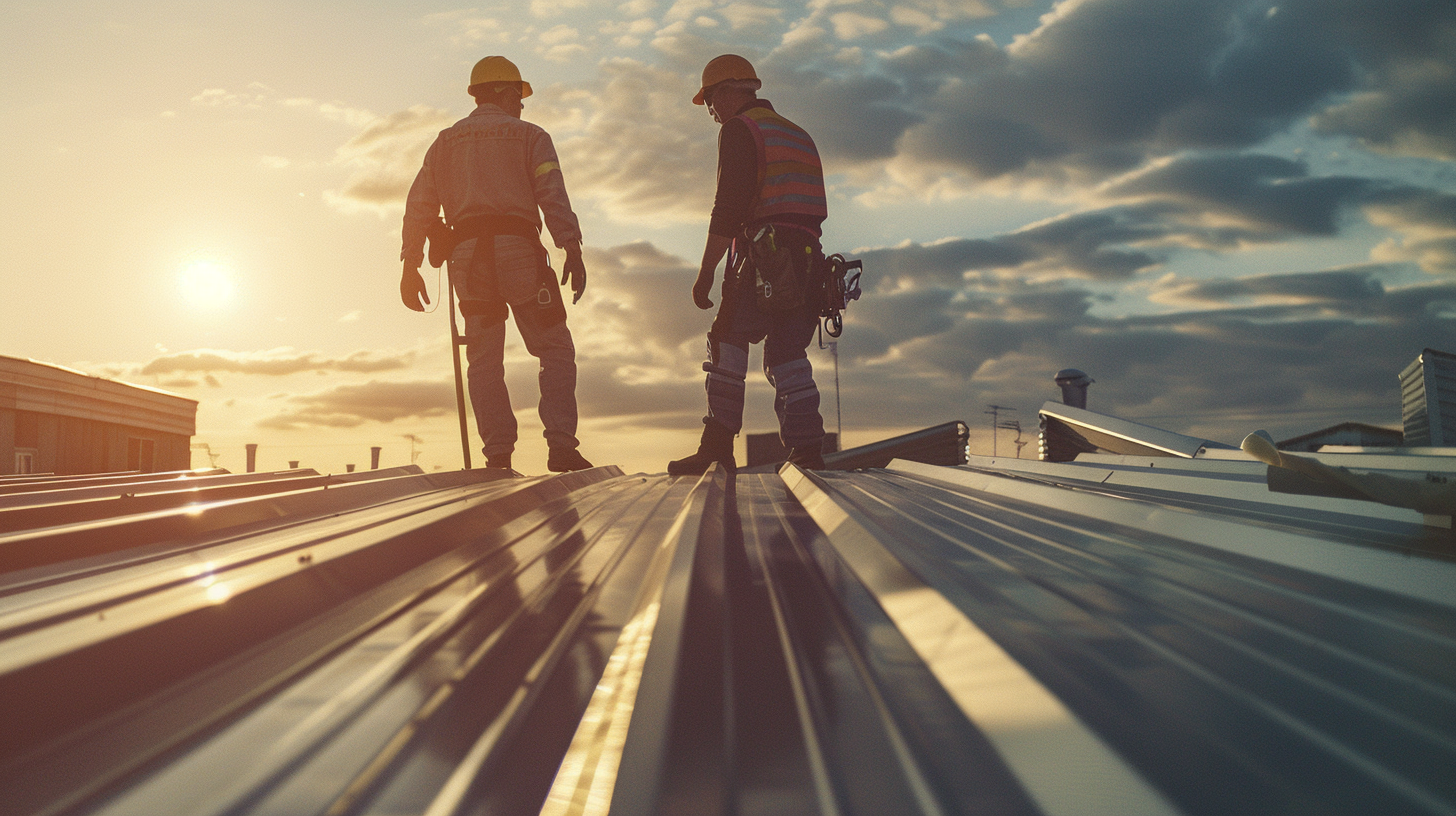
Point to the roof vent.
(1074, 387)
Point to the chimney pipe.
(349, 468)
(252, 448)
(374, 457)
(293, 464)
(1074, 387)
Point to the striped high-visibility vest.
(790, 176)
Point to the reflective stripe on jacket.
(791, 177)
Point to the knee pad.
(728, 359)
(727, 369)
(793, 376)
(796, 401)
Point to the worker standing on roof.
(495, 175)
(768, 209)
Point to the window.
(24, 460)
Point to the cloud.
(1256, 195)
(1207, 202)
(256, 96)
(751, 15)
(1347, 289)
(643, 153)
(851, 25)
(1101, 86)
(853, 117)
(1289, 352)
(275, 363)
(1426, 222)
(1099, 244)
(384, 158)
(686, 10)
(555, 8)
(468, 29)
(647, 308)
(349, 406)
(1405, 103)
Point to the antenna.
(1014, 425)
(996, 422)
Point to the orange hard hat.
(722, 69)
(498, 69)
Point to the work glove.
(575, 271)
(412, 289)
(702, 290)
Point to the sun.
(206, 284)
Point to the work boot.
(807, 458)
(565, 460)
(716, 446)
(500, 461)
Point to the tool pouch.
(443, 241)
(778, 280)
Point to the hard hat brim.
(699, 99)
(525, 87)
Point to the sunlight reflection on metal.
(218, 593)
(588, 773)
(1065, 767)
(587, 778)
(1114, 636)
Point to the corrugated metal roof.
(1114, 635)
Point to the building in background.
(1428, 399)
(58, 420)
(1348, 434)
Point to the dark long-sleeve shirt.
(738, 181)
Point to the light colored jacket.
(489, 163)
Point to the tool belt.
(781, 265)
(549, 309)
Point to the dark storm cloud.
(908, 314)
(942, 262)
(1326, 348)
(1351, 288)
(1267, 194)
(1103, 85)
(855, 117)
(1216, 202)
(1090, 245)
(1427, 221)
(1407, 101)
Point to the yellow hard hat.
(498, 69)
(722, 69)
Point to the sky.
(1232, 215)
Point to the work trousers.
(785, 336)
(485, 286)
